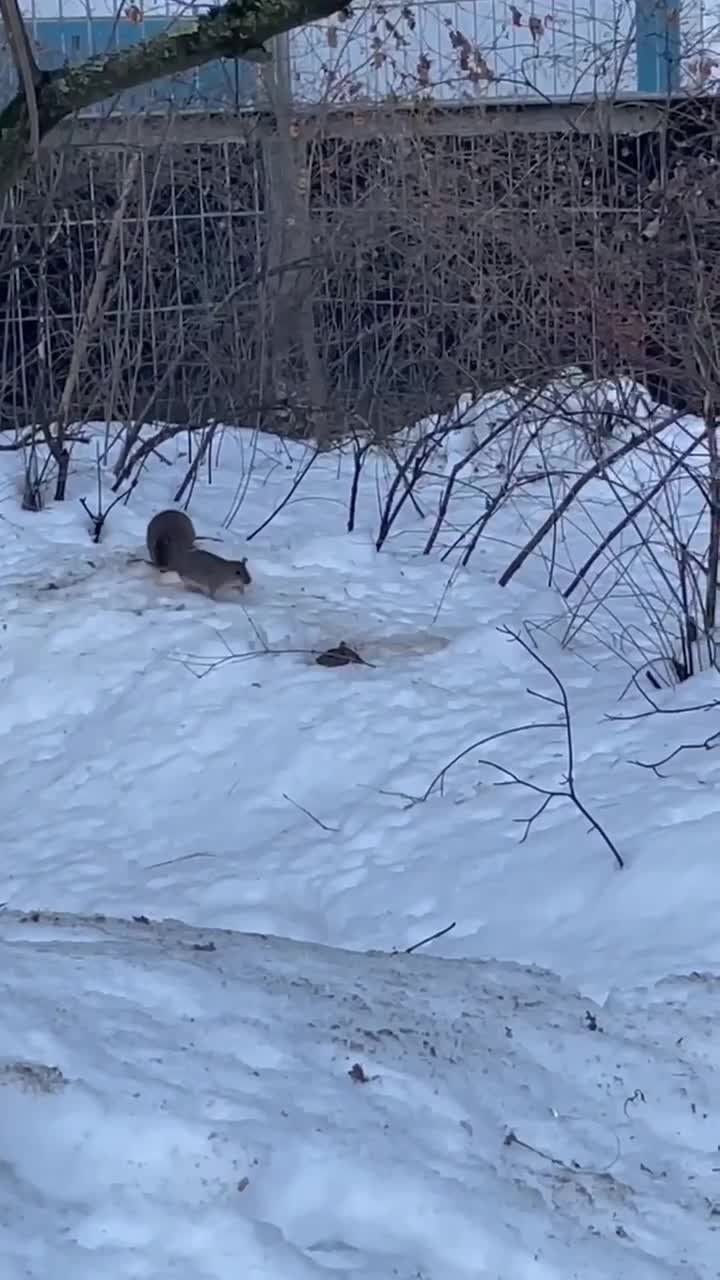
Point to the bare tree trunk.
(290, 315)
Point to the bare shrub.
(654, 567)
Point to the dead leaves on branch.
(391, 32)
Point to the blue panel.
(658, 45)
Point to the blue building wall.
(231, 84)
(228, 83)
(657, 32)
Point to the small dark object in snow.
(33, 1075)
(340, 656)
(591, 1021)
(141, 920)
(243, 1184)
(357, 1074)
(681, 670)
(203, 946)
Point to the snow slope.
(167, 757)
(249, 1106)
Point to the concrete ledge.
(629, 115)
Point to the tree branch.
(238, 29)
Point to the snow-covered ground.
(181, 1101)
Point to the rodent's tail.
(168, 534)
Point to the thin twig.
(440, 934)
(629, 517)
(482, 742)
(211, 664)
(569, 791)
(293, 489)
(655, 710)
(712, 741)
(184, 857)
(98, 520)
(310, 815)
(572, 493)
(511, 1139)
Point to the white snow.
(536, 1091)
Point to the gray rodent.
(170, 541)
(203, 571)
